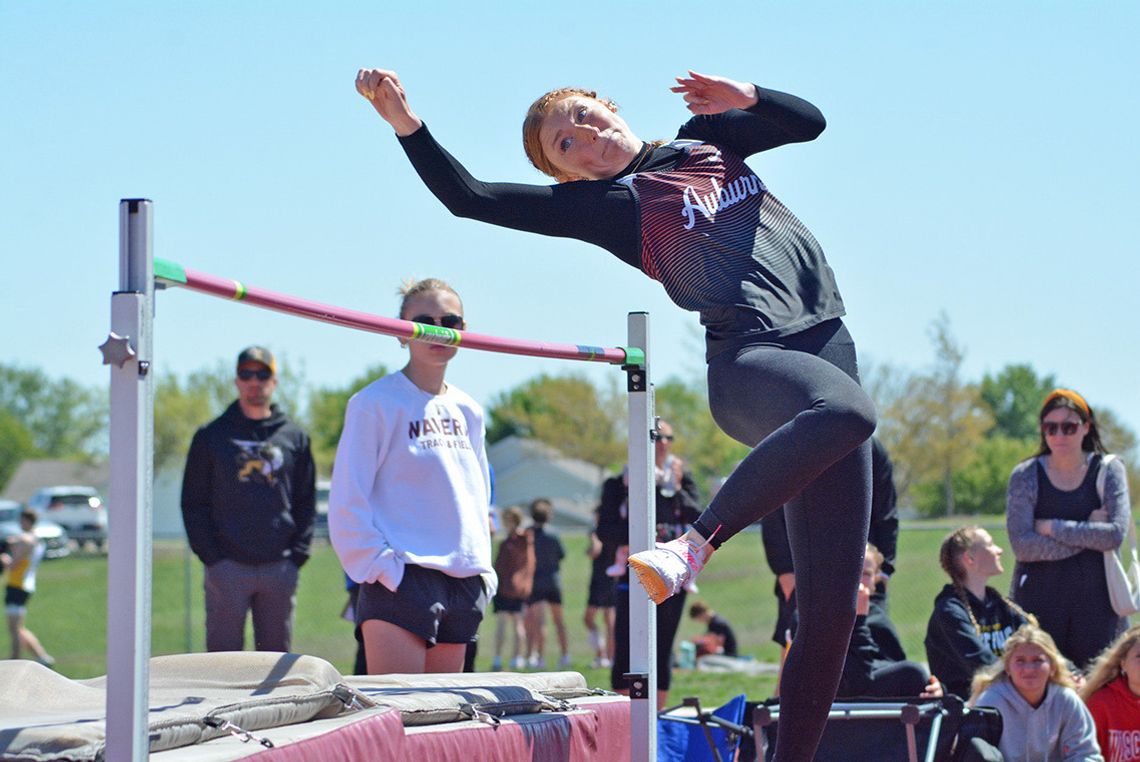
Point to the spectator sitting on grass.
(720, 639)
(971, 621)
(878, 670)
(1033, 689)
(1112, 694)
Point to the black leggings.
(797, 402)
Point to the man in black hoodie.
(248, 503)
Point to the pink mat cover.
(599, 731)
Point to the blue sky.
(980, 159)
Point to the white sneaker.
(518, 663)
(667, 568)
(536, 662)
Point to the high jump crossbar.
(129, 352)
(171, 273)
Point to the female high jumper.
(782, 372)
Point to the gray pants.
(232, 589)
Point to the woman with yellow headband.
(1061, 518)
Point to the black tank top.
(1073, 505)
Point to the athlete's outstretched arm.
(597, 212)
(383, 90)
(743, 117)
(706, 94)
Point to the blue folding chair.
(708, 737)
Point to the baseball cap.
(258, 354)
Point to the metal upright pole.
(128, 350)
(642, 677)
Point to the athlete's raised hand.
(706, 94)
(383, 90)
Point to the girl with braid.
(782, 371)
(971, 621)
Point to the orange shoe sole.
(650, 580)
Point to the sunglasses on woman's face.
(1068, 428)
(454, 322)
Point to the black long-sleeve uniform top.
(249, 490)
(692, 216)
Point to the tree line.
(953, 441)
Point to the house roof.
(34, 474)
(515, 452)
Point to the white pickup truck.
(77, 509)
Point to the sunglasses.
(1068, 428)
(263, 374)
(665, 437)
(454, 322)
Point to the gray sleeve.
(1078, 732)
(1021, 502)
(1101, 535)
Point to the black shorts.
(15, 596)
(787, 618)
(550, 594)
(435, 606)
(602, 592)
(503, 605)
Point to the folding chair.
(869, 730)
(704, 737)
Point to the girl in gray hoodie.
(1043, 718)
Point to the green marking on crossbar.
(171, 271)
(634, 356)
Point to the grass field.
(69, 613)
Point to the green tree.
(1014, 398)
(1118, 438)
(15, 446)
(934, 425)
(708, 452)
(325, 415)
(180, 407)
(566, 412)
(65, 420)
(979, 486)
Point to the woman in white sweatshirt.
(1043, 718)
(409, 502)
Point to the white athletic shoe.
(667, 568)
(518, 663)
